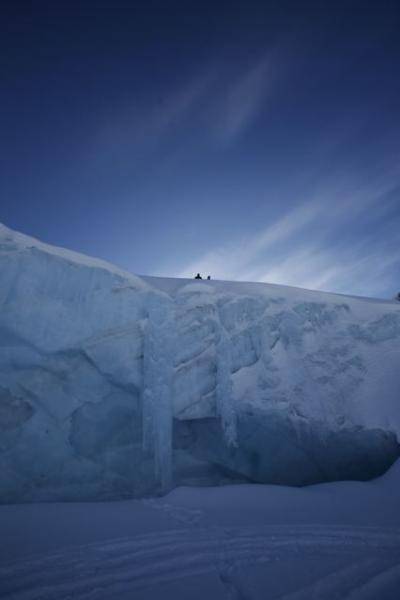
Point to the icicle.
(157, 384)
(226, 407)
(147, 397)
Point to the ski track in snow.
(106, 569)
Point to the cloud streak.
(244, 99)
(217, 103)
(234, 260)
(306, 247)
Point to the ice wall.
(114, 386)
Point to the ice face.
(158, 350)
(115, 386)
(274, 447)
(225, 399)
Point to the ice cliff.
(113, 385)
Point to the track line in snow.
(91, 571)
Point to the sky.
(254, 141)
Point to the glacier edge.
(114, 385)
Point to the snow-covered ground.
(245, 542)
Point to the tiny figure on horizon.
(198, 276)
(208, 276)
(397, 297)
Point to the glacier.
(116, 386)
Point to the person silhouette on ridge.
(198, 276)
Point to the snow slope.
(325, 542)
(114, 385)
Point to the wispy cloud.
(244, 99)
(358, 270)
(143, 127)
(220, 102)
(235, 260)
(306, 246)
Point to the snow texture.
(327, 542)
(114, 386)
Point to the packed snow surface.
(114, 385)
(332, 541)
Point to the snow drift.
(113, 385)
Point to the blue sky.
(250, 141)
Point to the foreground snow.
(324, 542)
(118, 386)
